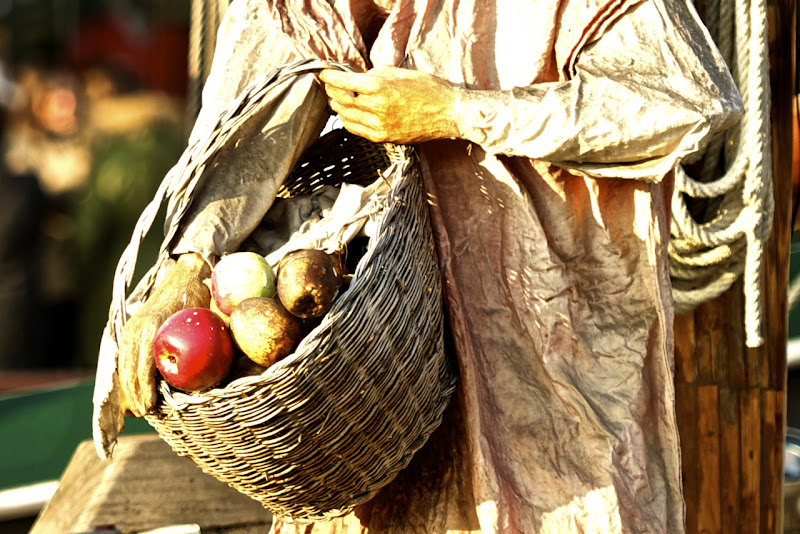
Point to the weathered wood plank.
(751, 383)
(750, 417)
(778, 249)
(686, 415)
(685, 362)
(709, 490)
(730, 458)
(707, 328)
(145, 486)
(731, 349)
(771, 461)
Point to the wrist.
(475, 113)
(448, 127)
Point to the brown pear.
(308, 282)
(264, 331)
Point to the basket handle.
(179, 184)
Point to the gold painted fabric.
(551, 229)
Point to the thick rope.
(196, 60)
(205, 18)
(707, 257)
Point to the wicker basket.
(324, 429)
(357, 161)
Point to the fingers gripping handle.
(180, 183)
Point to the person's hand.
(392, 105)
(183, 287)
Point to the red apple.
(239, 276)
(193, 349)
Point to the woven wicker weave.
(324, 429)
(338, 157)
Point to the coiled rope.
(707, 256)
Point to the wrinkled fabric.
(551, 230)
(241, 182)
(667, 115)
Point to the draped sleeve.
(653, 90)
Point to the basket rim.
(179, 399)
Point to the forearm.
(628, 111)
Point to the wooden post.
(731, 400)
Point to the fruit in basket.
(308, 281)
(244, 366)
(239, 276)
(193, 349)
(264, 330)
(214, 308)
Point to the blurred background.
(96, 101)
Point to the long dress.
(551, 228)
